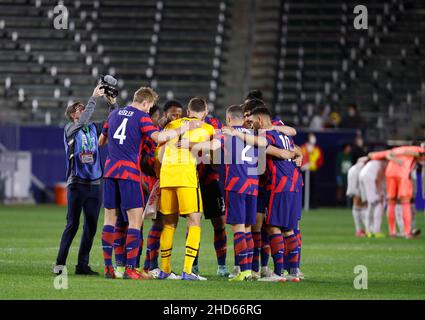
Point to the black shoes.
(85, 270)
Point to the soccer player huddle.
(185, 164)
(385, 175)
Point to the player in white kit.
(372, 179)
(353, 190)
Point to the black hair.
(261, 111)
(252, 104)
(254, 94)
(172, 103)
(345, 145)
(154, 109)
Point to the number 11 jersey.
(125, 130)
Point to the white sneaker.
(154, 273)
(174, 276)
(235, 272)
(273, 278)
(265, 272)
(300, 274)
(293, 277)
(201, 278)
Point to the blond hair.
(145, 94)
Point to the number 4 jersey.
(125, 130)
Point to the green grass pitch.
(29, 239)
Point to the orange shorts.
(399, 188)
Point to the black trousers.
(86, 198)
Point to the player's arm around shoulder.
(286, 130)
(175, 129)
(251, 139)
(280, 153)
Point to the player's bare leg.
(166, 245)
(110, 219)
(192, 245)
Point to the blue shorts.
(262, 201)
(124, 194)
(284, 210)
(298, 203)
(240, 208)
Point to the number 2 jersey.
(240, 160)
(126, 128)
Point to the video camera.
(109, 83)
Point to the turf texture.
(30, 235)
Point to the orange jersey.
(408, 161)
(380, 155)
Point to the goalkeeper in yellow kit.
(179, 184)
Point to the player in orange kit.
(399, 186)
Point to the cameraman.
(84, 173)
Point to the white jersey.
(371, 178)
(353, 184)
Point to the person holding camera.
(84, 174)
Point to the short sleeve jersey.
(126, 128)
(240, 160)
(283, 175)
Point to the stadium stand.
(302, 54)
(174, 46)
(325, 61)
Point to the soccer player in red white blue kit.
(241, 188)
(284, 208)
(124, 132)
